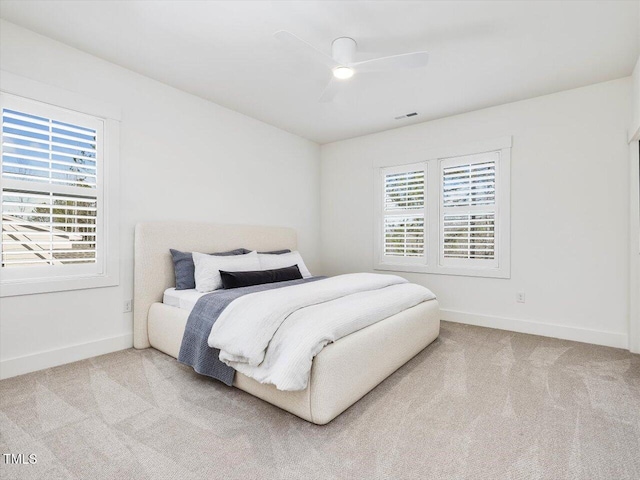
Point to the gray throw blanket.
(194, 350)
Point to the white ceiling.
(482, 53)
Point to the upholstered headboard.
(154, 267)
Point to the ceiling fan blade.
(395, 62)
(330, 91)
(305, 48)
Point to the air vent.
(406, 115)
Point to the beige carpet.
(476, 404)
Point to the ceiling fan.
(341, 60)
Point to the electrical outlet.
(128, 306)
(520, 297)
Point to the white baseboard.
(577, 334)
(52, 358)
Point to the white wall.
(182, 158)
(569, 212)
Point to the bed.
(341, 374)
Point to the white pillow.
(270, 262)
(207, 272)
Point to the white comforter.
(272, 336)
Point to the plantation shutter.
(50, 186)
(468, 210)
(404, 213)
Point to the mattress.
(183, 299)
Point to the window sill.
(35, 286)
(440, 270)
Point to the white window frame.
(34, 97)
(432, 161)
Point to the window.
(404, 213)
(468, 210)
(51, 205)
(55, 227)
(448, 214)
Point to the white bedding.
(184, 299)
(272, 336)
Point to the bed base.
(341, 374)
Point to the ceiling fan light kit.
(342, 63)
(343, 73)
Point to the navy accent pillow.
(185, 269)
(246, 279)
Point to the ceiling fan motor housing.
(343, 50)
